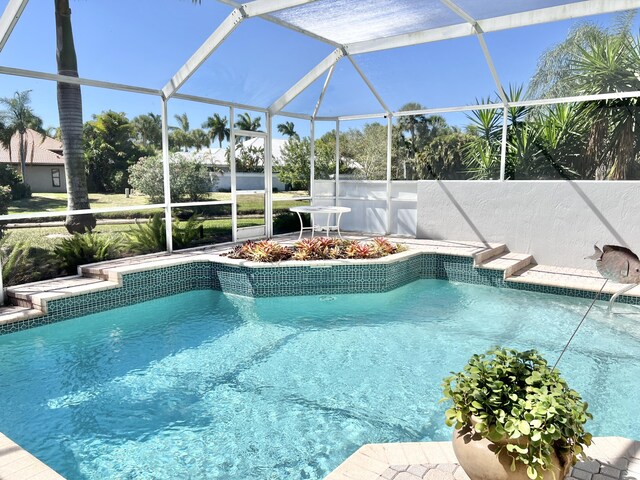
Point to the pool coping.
(18, 464)
(511, 270)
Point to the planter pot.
(477, 457)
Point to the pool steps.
(30, 300)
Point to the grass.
(52, 202)
(39, 242)
(48, 237)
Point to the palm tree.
(18, 118)
(604, 66)
(70, 112)
(245, 122)
(199, 139)
(181, 135)
(594, 60)
(288, 129)
(217, 127)
(148, 129)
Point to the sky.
(144, 42)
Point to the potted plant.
(514, 417)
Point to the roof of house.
(41, 150)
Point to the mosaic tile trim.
(306, 280)
(285, 281)
(136, 287)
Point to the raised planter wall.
(557, 222)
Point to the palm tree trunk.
(23, 158)
(70, 111)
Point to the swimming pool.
(210, 385)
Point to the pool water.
(214, 386)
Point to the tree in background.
(369, 151)
(594, 60)
(189, 179)
(295, 160)
(218, 128)
(109, 150)
(411, 134)
(199, 139)
(443, 158)
(147, 130)
(180, 137)
(18, 118)
(288, 129)
(248, 123)
(70, 112)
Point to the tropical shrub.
(263, 251)
(285, 222)
(22, 263)
(84, 248)
(10, 178)
(189, 179)
(514, 394)
(5, 198)
(147, 237)
(151, 236)
(317, 248)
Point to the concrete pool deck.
(18, 464)
(611, 458)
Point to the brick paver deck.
(612, 458)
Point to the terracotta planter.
(477, 457)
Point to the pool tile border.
(135, 283)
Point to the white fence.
(246, 181)
(368, 202)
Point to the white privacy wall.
(556, 221)
(368, 203)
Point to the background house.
(45, 161)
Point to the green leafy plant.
(24, 263)
(147, 237)
(83, 248)
(511, 395)
(151, 236)
(285, 222)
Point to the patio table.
(328, 210)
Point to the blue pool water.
(214, 386)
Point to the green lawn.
(47, 237)
(52, 202)
(40, 263)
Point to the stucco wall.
(556, 221)
(39, 178)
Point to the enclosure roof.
(350, 29)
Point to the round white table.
(328, 210)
